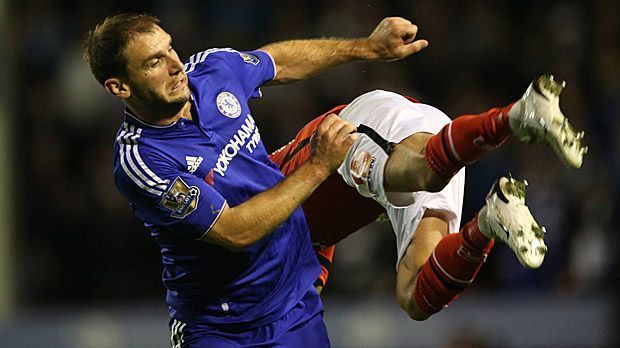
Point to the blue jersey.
(177, 179)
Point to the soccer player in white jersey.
(410, 158)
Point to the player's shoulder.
(140, 162)
(212, 57)
(215, 58)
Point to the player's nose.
(176, 66)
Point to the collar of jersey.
(134, 119)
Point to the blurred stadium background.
(78, 270)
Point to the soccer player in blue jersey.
(238, 263)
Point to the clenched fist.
(393, 39)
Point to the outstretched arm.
(392, 39)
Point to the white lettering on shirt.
(247, 131)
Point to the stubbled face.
(155, 72)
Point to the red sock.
(464, 140)
(325, 257)
(451, 268)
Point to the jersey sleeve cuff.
(273, 62)
(214, 221)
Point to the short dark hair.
(104, 46)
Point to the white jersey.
(395, 118)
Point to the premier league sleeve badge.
(180, 198)
(249, 58)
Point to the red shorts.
(335, 209)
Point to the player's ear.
(117, 88)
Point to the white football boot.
(505, 217)
(537, 117)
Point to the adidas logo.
(193, 163)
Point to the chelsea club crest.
(228, 105)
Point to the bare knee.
(408, 304)
(418, 316)
(406, 169)
(412, 175)
(413, 311)
(435, 183)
